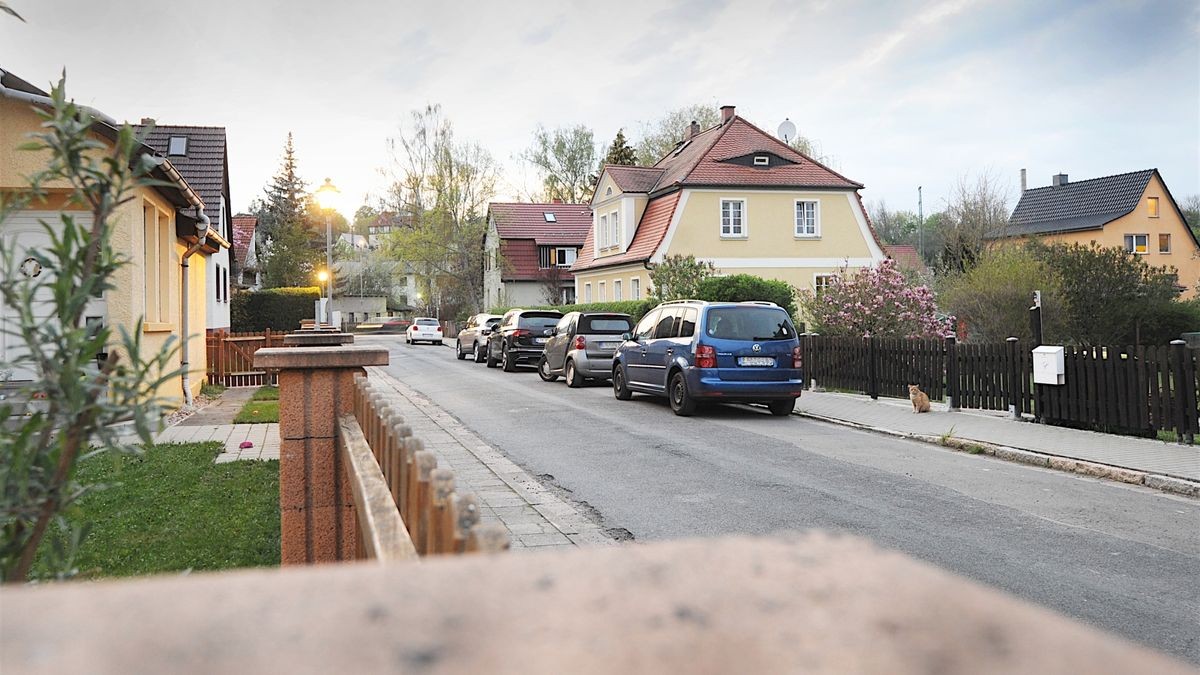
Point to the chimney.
(1023, 188)
(1059, 180)
(727, 113)
(694, 129)
(556, 200)
(147, 120)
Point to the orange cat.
(920, 399)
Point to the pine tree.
(620, 152)
(290, 246)
(286, 198)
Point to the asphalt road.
(1121, 557)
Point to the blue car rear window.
(749, 323)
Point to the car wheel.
(544, 371)
(491, 361)
(458, 351)
(406, 340)
(781, 408)
(479, 354)
(508, 362)
(620, 389)
(574, 379)
(681, 401)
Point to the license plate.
(759, 361)
(539, 341)
(608, 345)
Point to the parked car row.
(690, 351)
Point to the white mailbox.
(1049, 365)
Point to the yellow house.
(1134, 211)
(162, 231)
(732, 195)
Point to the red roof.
(740, 138)
(520, 259)
(634, 178)
(650, 233)
(906, 257)
(243, 233)
(528, 221)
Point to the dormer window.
(608, 192)
(762, 160)
(177, 147)
(550, 218)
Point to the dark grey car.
(582, 346)
(472, 339)
(520, 338)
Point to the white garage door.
(22, 232)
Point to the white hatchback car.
(424, 328)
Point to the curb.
(1171, 484)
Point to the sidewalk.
(533, 515)
(214, 422)
(895, 416)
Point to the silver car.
(472, 339)
(582, 346)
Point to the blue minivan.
(692, 351)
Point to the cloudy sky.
(900, 93)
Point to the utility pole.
(920, 224)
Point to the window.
(1152, 205)
(550, 218)
(822, 282)
(749, 323)
(604, 325)
(688, 327)
(587, 292)
(614, 222)
(156, 256)
(1137, 243)
(1164, 243)
(617, 290)
(564, 324)
(762, 160)
(564, 257)
(568, 295)
(645, 327)
(608, 192)
(217, 284)
(808, 218)
(668, 323)
(602, 297)
(603, 234)
(177, 146)
(733, 217)
(635, 289)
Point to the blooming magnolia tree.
(874, 302)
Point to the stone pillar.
(316, 386)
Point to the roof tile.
(516, 220)
(650, 232)
(1083, 205)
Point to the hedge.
(634, 308)
(744, 287)
(272, 309)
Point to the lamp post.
(326, 195)
(323, 277)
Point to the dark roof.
(1083, 205)
(205, 166)
(516, 220)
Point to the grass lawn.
(267, 393)
(258, 412)
(172, 509)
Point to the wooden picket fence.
(1135, 390)
(400, 493)
(231, 358)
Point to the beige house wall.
(609, 276)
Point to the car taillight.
(580, 342)
(706, 356)
(521, 332)
(797, 357)
(438, 329)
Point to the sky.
(900, 94)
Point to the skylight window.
(178, 146)
(549, 217)
(681, 147)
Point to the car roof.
(612, 314)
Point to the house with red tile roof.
(907, 258)
(244, 252)
(529, 250)
(733, 195)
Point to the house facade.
(1134, 211)
(201, 155)
(528, 253)
(155, 230)
(732, 195)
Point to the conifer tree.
(620, 152)
(291, 247)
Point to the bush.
(874, 302)
(272, 309)
(993, 297)
(634, 308)
(743, 287)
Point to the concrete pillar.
(316, 386)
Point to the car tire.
(620, 389)
(507, 363)
(491, 362)
(782, 408)
(458, 351)
(682, 402)
(479, 355)
(544, 371)
(574, 379)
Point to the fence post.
(952, 402)
(1014, 392)
(1184, 392)
(1035, 327)
(872, 369)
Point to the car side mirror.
(485, 330)
(627, 336)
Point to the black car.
(520, 338)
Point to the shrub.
(272, 309)
(743, 287)
(993, 297)
(874, 302)
(634, 308)
(678, 276)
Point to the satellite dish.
(787, 130)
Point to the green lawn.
(267, 393)
(172, 509)
(258, 412)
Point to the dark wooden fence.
(231, 358)
(1137, 390)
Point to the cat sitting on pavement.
(920, 400)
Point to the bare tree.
(662, 135)
(976, 211)
(566, 158)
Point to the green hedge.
(634, 308)
(271, 309)
(745, 287)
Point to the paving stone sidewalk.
(535, 517)
(214, 422)
(1140, 454)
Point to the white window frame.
(614, 221)
(587, 292)
(603, 231)
(635, 288)
(558, 255)
(1131, 244)
(616, 290)
(601, 291)
(744, 232)
(816, 222)
(765, 160)
(817, 287)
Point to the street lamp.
(323, 277)
(326, 195)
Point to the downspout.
(201, 237)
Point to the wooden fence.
(1138, 390)
(231, 358)
(404, 501)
